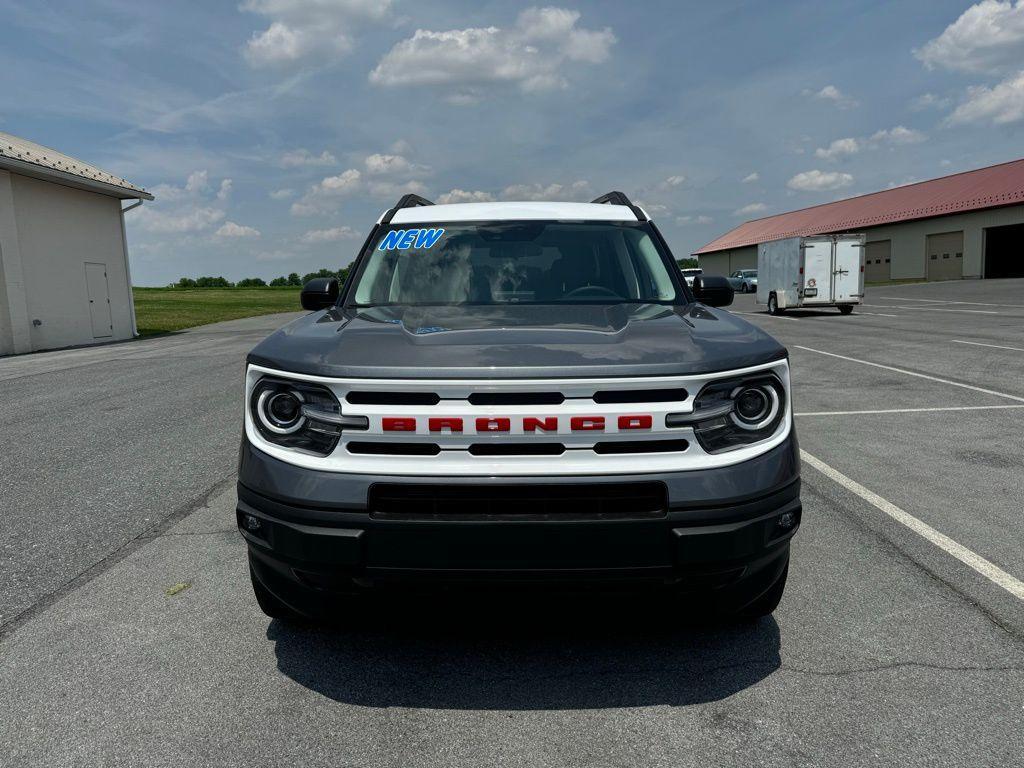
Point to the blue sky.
(273, 132)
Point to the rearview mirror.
(319, 293)
(712, 290)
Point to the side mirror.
(712, 290)
(320, 293)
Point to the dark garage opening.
(1004, 251)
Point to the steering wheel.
(591, 290)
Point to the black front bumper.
(313, 532)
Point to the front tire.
(773, 305)
(845, 309)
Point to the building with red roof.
(969, 225)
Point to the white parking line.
(914, 373)
(989, 570)
(941, 301)
(937, 309)
(879, 314)
(994, 346)
(763, 314)
(912, 410)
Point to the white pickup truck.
(811, 272)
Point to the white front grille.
(583, 448)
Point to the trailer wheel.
(845, 309)
(773, 305)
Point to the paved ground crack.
(154, 531)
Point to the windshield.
(527, 262)
(750, 273)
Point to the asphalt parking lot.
(900, 639)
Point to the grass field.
(159, 310)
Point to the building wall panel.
(60, 229)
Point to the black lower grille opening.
(517, 449)
(579, 501)
(642, 446)
(395, 449)
(640, 396)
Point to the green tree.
(213, 282)
(278, 282)
(251, 282)
(186, 282)
(294, 279)
(689, 263)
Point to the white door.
(817, 271)
(99, 299)
(846, 283)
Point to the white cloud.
(230, 229)
(838, 149)
(393, 165)
(899, 135)
(832, 94)
(746, 210)
(928, 101)
(577, 191)
(687, 220)
(152, 219)
(1000, 104)
(532, 54)
(299, 158)
(281, 194)
(185, 209)
(328, 235)
(322, 196)
(197, 182)
(463, 196)
(301, 29)
(895, 136)
(674, 181)
(988, 37)
(750, 178)
(819, 181)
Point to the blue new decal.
(402, 239)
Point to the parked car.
(744, 280)
(691, 272)
(517, 392)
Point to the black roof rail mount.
(405, 201)
(619, 198)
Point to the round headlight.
(751, 404)
(281, 411)
(754, 407)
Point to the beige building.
(64, 277)
(968, 225)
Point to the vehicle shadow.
(512, 653)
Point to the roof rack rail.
(619, 198)
(405, 201)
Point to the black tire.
(773, 305)
(765, 604)
(845, 309)
(272, 606)
(743, 287)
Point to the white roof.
(31, 159)
(513, 211)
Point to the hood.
(510, 341)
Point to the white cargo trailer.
(811, 272)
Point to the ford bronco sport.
(517, 391)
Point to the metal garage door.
(945, 254)
(877, 262)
